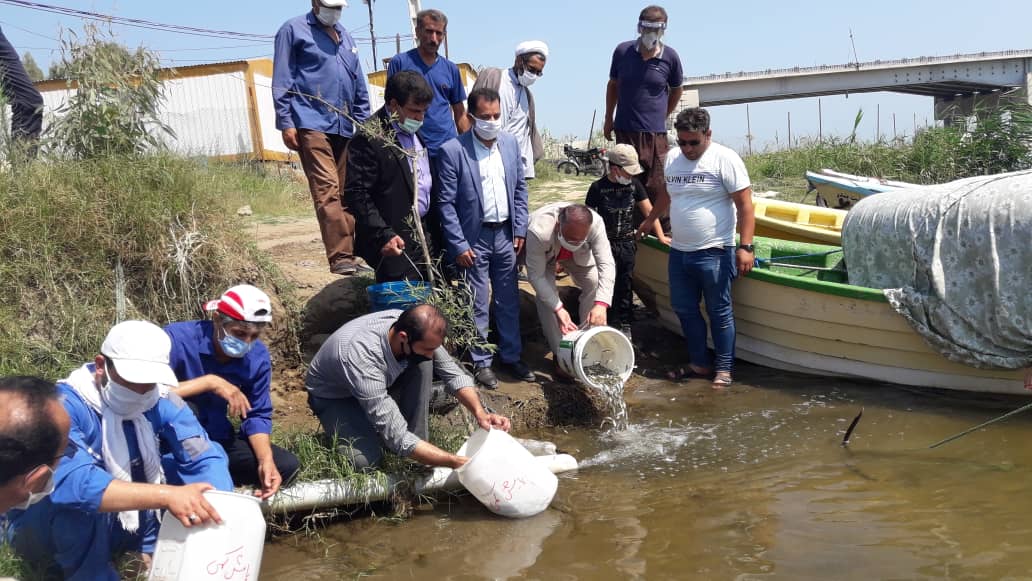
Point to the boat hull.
(824, 328)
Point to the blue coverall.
(68, 528)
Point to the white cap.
(532, 46)
(139, 351)
(334, 3)
(243, 303)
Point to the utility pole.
(414, 9)
(877, 124)
(790, 130)
(820, 122)
(397, 43)
(748, 128)
(372, 35)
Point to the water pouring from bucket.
(603, 359)
(504, 476)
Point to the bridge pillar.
(950, 109)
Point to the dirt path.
(295, 246)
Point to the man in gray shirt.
(370, 383)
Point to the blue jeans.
(705, 274)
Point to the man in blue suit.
(483, 206)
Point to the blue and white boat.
(842, 190)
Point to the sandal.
(689, 372)
(722, 380)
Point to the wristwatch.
(747, 248)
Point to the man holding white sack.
(574, 236)
(370, 385)
(110, 482)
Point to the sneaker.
(519, 370)
(485, 377)
(349, 267)
(344, 268)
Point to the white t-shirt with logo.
(702, 212)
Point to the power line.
(136, 22)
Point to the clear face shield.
(651, 33)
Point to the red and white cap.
(243, 303)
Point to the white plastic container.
(596, 346)
(504, 476)
(229, 551)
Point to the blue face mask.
(410, 126)
(234, 347)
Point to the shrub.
(114, 110)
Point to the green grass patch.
(86, 243)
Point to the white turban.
(532, 46)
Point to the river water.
(747, 484)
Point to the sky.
(711, 37)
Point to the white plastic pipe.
(320, 494)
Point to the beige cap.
(624, 156)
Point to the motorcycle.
(582, 161)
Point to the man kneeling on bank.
(110, 481)
(370, 384)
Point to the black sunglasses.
(691, 142)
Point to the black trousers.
(243, 465)
(26, 102)
(621, 312)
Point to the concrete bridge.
(958, 83)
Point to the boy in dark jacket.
(614, 197)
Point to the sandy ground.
(295, 246)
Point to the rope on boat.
(771, 261)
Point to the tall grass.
(990, 141)
(85, 243)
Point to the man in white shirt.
(482, 200)
(517, 101)
(708, 193)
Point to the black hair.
(29, 436)
(416, 321)
(407, 88)
(651, 13)
(693, 119)
(478, 95)
(432, 14)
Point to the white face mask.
(35, 497)
(328, 16)
(622, 180)
(567, 245)
(528, 78)
(126, 402)
(487, 129)
(650, 39)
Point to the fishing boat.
(798, 222)
(796, 311)
(842, 190)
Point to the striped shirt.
(356, 361)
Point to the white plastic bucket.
(504, 476)
(229, 551)
(596, 346)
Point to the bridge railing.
(855, 66)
